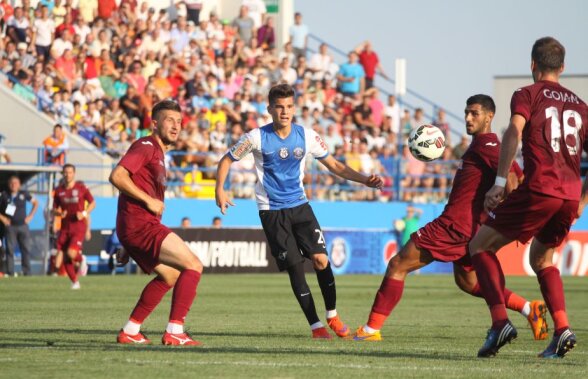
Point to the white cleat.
(76, 286)
(83, 271)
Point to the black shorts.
(293, 234)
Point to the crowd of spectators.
(97, 69)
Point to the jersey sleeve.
(520, 103)
(138, 155)
(315, 145)
(246, 144)
(88, 195)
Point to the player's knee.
(320, 261)
(191, 262)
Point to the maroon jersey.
(72, 200)
(145, 162)
(552, 138)
(474, 177)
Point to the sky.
(453, 48)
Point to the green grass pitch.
(251, 326)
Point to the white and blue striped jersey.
(279, 163)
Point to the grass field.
(251, 326)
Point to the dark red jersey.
(553, 138)
(474, 177)
(71, 201)
(145, 162)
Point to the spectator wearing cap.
(27, 59)
(351, 77)
(299, 35)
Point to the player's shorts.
(525, 214)
(70, 240)
(444, 243)
(293, 234)
(144, 244)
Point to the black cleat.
(495, 339)
(560, 345)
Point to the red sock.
(553, 293)
(71, 271)
(184, 294)
(152, 294)
(387, 297)
(514, 301)
(491, 281)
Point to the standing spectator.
(106, 9)
(418, 118)
(321, 64)
(4, 157)
(460, 149)
(43, 34)
(17, 26)
(193, 8)
(245, 25)
(351, 77)
(392, 110)
(257, 11)
(56, 146)
(179, 36)
(441, 123)
(16, 221)
(266, 35)
(88, 10)
(410, 223)
(299, 36)
(370, 63)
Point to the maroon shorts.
(444, 243)
(525, 214)
(70, 240)
(144, 244)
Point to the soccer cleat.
(83, 270)
(560, 345)
(362, 335)
(537, 319)
(137, 339)
(321, 333)
(76, 286)
(495, 339)
(338, 327)
(181, 339)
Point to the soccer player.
(446, 238)
(550, 119)
(291, 228)
(140, 178)
(69, 202)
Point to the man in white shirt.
(43, 29)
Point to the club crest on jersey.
(298, 153)
(284, 153)
(74, 192)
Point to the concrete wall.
(24, 126)
(504, 86)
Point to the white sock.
(331, 314)
(317, 325)
(526, 309)
(369, 330)
(174, 328)
(132, 328)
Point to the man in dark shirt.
(14, 216)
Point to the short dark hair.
(280, 91)
(57, 126)
(548, 54)
(68, 165)
(484, 100)
(164, 105)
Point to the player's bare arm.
(121, 179)
(35, 205)
(222, 199)
(346, 172)
(508, 150)
(584, 198)
(85, 213)
(512, 182)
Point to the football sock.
(71, 271)
(388, 296)
(332, 313)
(326, 281)
(514, 301)
(174, 327)
(526, 311)
(302, 293)
(553, 294)
(132, 328)
(184, 294)
(316, 325)
(152, 294)
(79, 257)
(491, 281)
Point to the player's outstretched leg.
(534, 311)
(564, 340)
(176, 254)
(151, 296)
(304, 297)
(409, 259)
(326, 281)
(70, 269)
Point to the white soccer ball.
(426, 143)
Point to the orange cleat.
(337, 326)
(537, 319)
(321, 333)
(137, 339)
(182, 339)
(362, 335)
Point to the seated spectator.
(56, 146)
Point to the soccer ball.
(426, 143)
